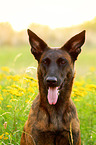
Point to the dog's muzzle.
(51, 81)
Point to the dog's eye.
(46, 61)
(62, 61)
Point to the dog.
(53, 118)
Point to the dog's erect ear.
(73, 46)
(37, 44)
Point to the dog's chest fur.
(47, 126)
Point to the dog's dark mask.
(55, 65)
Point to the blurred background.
(55, 21)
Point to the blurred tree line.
(54, 37)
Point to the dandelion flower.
(13, 100)
(0, 87)
(27, 101)
(77, 100)
(31, 90)
(1, 98)
(1, 136)
(6, 69)
(5, 138)
(9, 106)
(6, 133)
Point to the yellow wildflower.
(30, 78)
(26, 81)
(92, 69)
(30, 96)
(1, 98)
(91, 87)
(9, 106)
(27, 101)
(77, 83)
(33, 84)
(19, 88)
(14, 78)
(4, 90)
(9, 77)
(0, 102)
(6, 69)
(6, 133)
(30, 89)
(12, 97)
(1, 136)
(77, 100)
(13, 91)
(5, 138)
(74, 90)
(0, 87)
(13, 100)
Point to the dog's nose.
(51, 80)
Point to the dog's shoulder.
(36, 103)
(34, 109)
(70, 112)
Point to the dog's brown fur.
(56, 124)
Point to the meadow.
(19, 86)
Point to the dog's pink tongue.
(52, 95)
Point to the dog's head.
(56, 66)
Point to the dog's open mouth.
(53, 93)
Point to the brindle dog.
(53, 118)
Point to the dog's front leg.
(26, 138)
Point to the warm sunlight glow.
(20, 14)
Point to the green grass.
(18, 89)
(19, 58)
(17, 93)
(83, 95)
(86, 61)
